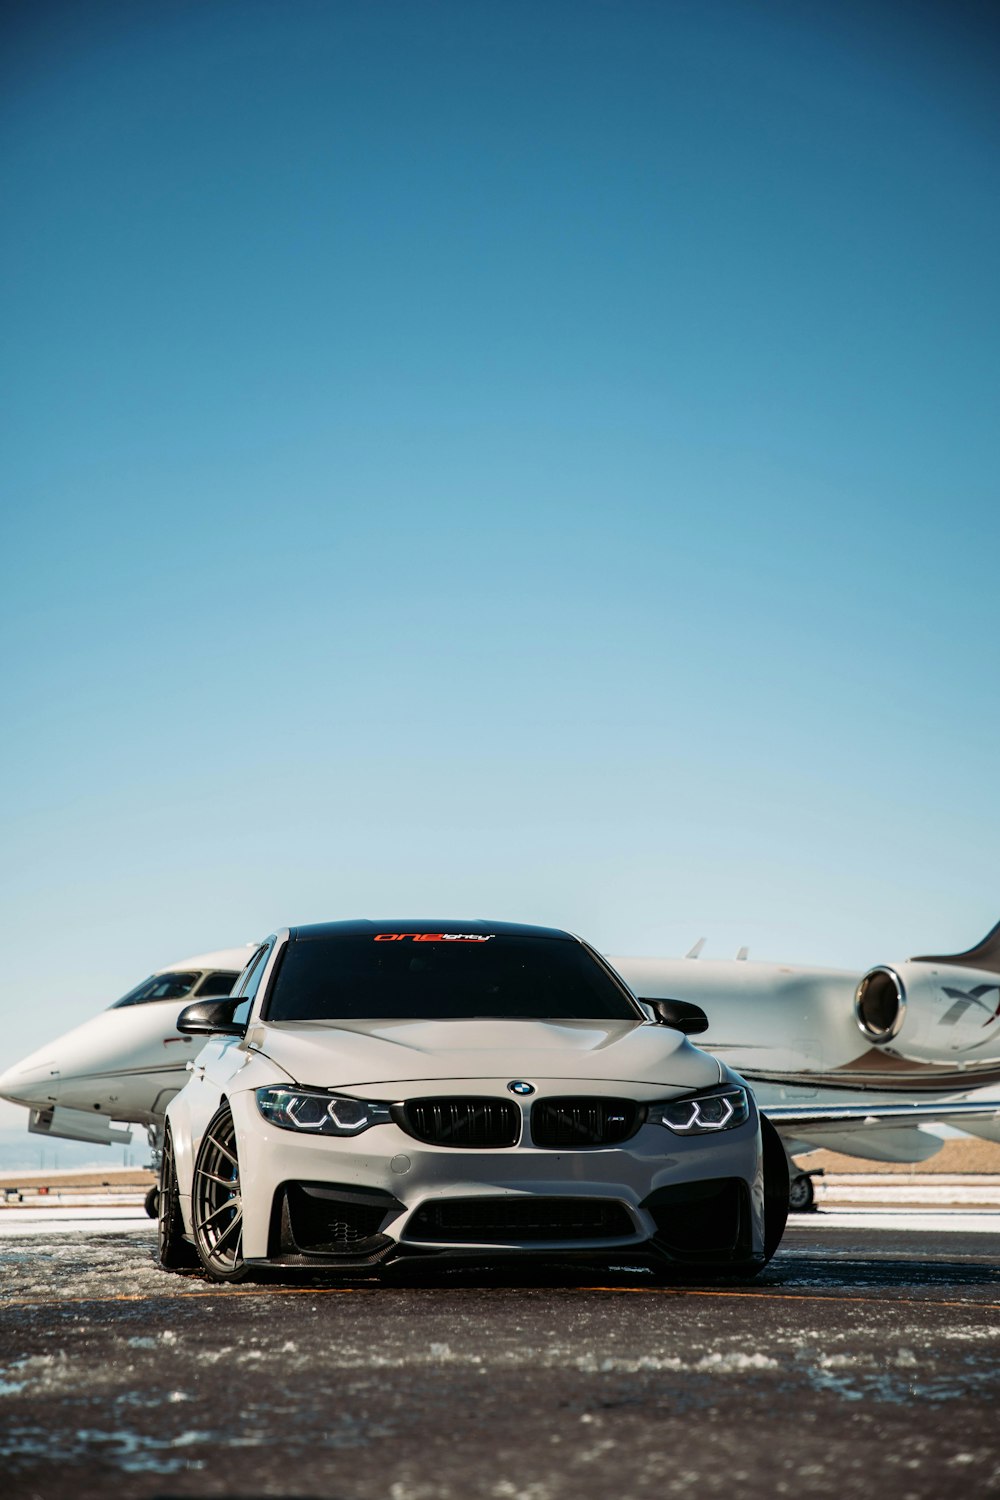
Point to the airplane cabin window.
(219, 983)
(170, 986)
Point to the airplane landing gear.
(801, 1195)
(154, 1135)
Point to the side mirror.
(210, 1018)
(680, 1014)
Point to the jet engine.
(936, 1009)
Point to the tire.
(801, 1194)
(151, 1202)
(173, 1251)
(775, 1187)
(216, 1205)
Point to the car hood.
(346, 1054)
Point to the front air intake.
(328, 1219)
(513, 1220)
(706, 1221)
(880, 1004)
(483, 1124)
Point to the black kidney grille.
(480, 1220)
(583, 1122)
(462, 1122)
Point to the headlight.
(318, 1112)
(700, 1113)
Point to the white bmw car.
(374, 1092)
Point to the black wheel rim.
(216, 1201)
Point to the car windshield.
(172, 986)
(420, 976)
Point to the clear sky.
(514, 459)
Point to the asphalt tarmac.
(863, 1362)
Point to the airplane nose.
(28, 1085)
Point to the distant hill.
(965, 1155)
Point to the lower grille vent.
(482, 1123)
(317, 1220)
(480, 1220)
(583, 1122)
(703, 1220)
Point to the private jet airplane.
(855, 1063)
(125, 1064)
(852, 1062)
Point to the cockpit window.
(220, 982)
(171, 986)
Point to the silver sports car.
(379, 1091)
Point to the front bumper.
(348, 1202)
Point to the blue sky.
(531, 460)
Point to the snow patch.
(734, 1362)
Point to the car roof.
(361, 926)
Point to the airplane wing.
(802, 1116)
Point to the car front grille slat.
(583, 1122)
(468, 1123)
(498, 1219)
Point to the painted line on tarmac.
(765, 1296)
(630, 1291)
(901, 1220)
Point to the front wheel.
(216, 1203)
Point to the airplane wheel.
(216, 1204)
(776, 1187)
(801, 1194)
(151, 1202)
(173, 1250)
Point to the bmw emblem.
(518, 1086)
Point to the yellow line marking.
(776, 1296)
(641, 1291)
(278, 1291)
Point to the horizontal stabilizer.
(985, 955)
(76, 1125)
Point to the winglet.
(985, 955)
(695, 951)
(743, 953)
